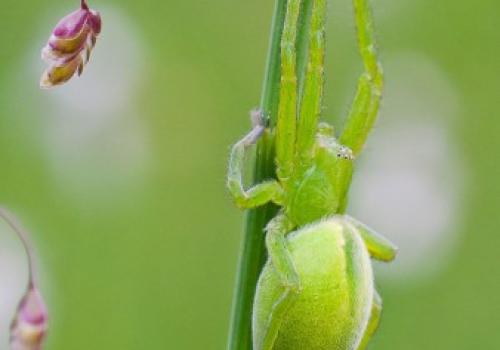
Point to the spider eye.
(345, 153)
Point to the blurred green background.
(120, 174)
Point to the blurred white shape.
(96, 141)
(410, 179)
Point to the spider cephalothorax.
(316, 291)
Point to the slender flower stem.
(253, 252)
(21, 234)
(84, 5)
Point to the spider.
(313, 175)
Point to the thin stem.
(253, 253)
(23, 237)
(83, 4)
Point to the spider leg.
(366, 103)
(260, 193)
(287, 109)
(373, 322)
(379, 247)
(311, 101)
(283, 264)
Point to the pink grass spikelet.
(29, 327)
(70, 45)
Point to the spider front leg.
(260, 193)
(311, 102)
(286, 123)
(282, 262)
(373, 322)
(366, 103)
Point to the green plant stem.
(253, 252)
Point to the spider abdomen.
(333, 306)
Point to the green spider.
(316, 291)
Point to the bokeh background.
(120, 174)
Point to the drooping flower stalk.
(69, 46)
(30, 323)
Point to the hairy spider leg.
(366, 103)
(380, 248)
(365, 106)
(312, 95)
(261, 193)
(373, 321)
(286, 125)
(276, 232)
